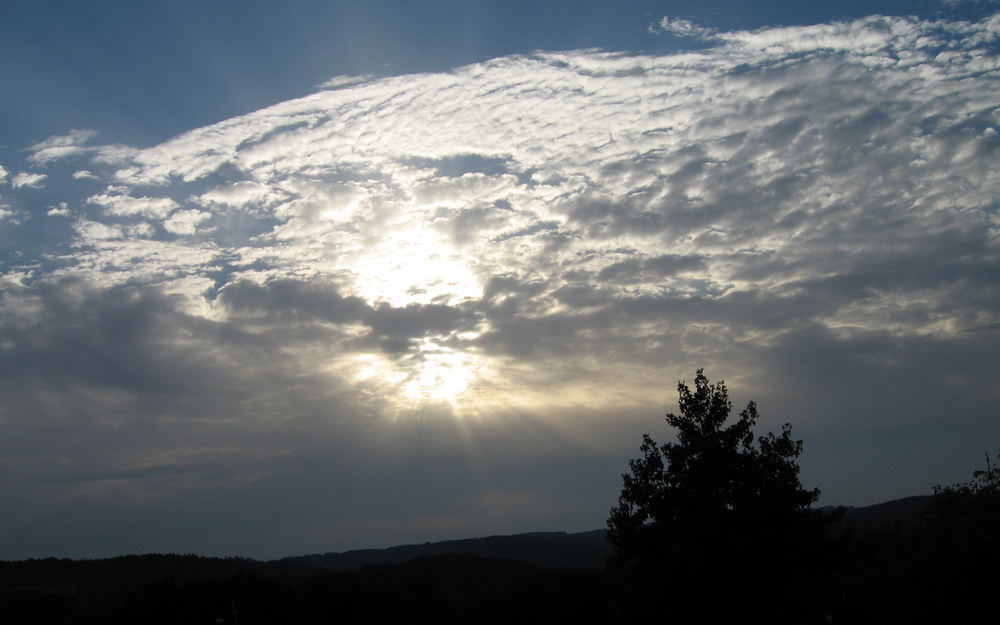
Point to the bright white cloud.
(237, 195)
(118, 203)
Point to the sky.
(292, 278)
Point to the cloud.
(236, 195)
(186, 221)
(92, 231)
(118, 203)
(32, 180)
(391, 329)
(679, 27)
(750, 163)
(406, 285)
(62, 210)
(340, 82)
(59, 147)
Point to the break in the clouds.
(423, 305)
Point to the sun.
(440, 374)
(414, 263)
(431, 374)
(415, 266)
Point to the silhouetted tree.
(716, 518)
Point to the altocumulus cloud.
(421, 306)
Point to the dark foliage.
(936, 566)
(968, 512)
(955, 551)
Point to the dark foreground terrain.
(891, 563)
(188, 589)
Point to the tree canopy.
(716, 507)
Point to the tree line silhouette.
(713, 527)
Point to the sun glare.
(415, 267)
(433, 374)
(440, 375)
(409, 263)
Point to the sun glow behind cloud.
(411, 264)
(443, 374)
(433, 374)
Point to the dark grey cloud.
(465, 225)
(309, 303)
(70, 333)
(540, 227)
(650, 269)
(459, 164)
(293, 299)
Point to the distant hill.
(583, 551)
(887, 517)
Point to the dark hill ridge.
(886, 517)
(582, 550)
